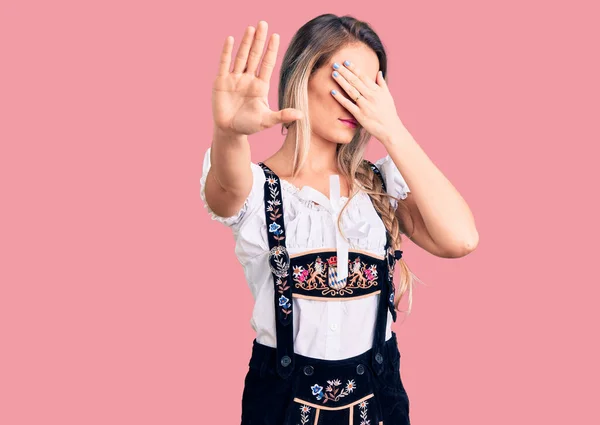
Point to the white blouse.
(335, 329)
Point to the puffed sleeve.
(255, 197)
(394, 182)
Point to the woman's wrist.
(221, 135)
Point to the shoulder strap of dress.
(279, 262)
(391, 255)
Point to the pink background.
(111, 270)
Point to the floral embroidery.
(314, 276)
(363, 413)
(273, 205)
(333, 392)
(275, 228)
(279, 259)
(284, 301)
(304, 412)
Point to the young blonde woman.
(317, 227)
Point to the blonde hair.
(311, 47)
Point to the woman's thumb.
(285, 115)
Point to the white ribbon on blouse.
(334, 205)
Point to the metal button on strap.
(285, 361)
(379, 358)
(360, 369)
(308, 370)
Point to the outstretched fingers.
(258, 45)
(268, 62)
(225, 63)
(242, 54)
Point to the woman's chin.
(344, 139)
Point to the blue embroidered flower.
(284, 301)
(317, 390)
(392, 297)
(274, 227)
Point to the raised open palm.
(240, 97)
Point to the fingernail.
(347, 63)
(335, 73)
(333, 92)
(336, 65)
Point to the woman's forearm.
(229, 180)
(445, 213)
(230, 161)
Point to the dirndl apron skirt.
(325, 392)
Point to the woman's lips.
(349, 123)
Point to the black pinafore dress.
(285, 388)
